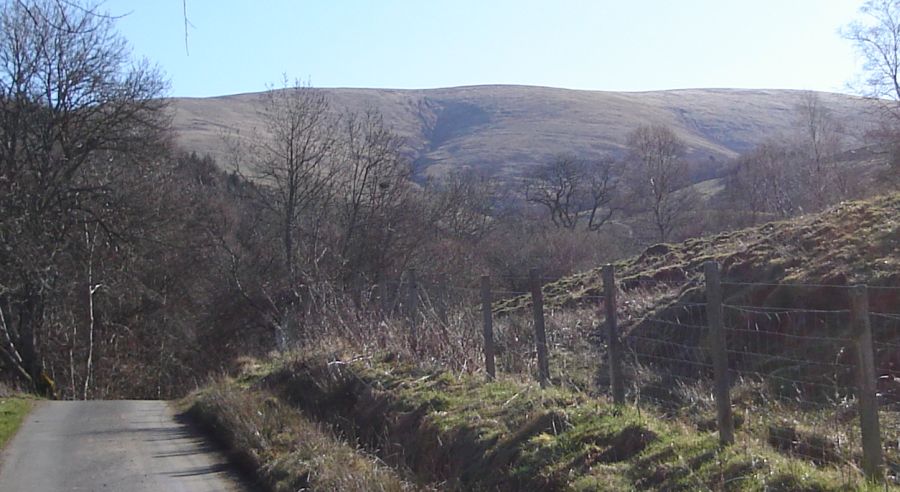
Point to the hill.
(850, 243)
(505, 129)
(443, 427)
(785, 288)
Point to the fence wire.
(791, 350)
(796, 377)
(666, 364)
(792, 359)
(886, 347)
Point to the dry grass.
(452, 340)
(511, 435)
(283, 449)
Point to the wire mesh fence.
(799, 364)
(886, 347)
(795, 357)
(792, 352)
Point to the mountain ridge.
(506, 129)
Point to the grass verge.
(512, 435)
(12, 412)
(283, 450)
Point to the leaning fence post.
(719, 352)
(614, 357)
(865, 374)
(540, 336)
(486, 314)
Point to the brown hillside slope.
(853, 242)
(505, 129)
(792, 276)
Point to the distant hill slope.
(506, 129)
(850, 243)
(786, 280)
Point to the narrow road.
(111, 446)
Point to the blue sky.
(629, 45)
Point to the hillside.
(853, 242)
(505, 129)
(442, 427)
(785, 290)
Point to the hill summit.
(504, 130)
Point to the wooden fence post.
(486, 313)
(718, 348)
(540, 336)
(614, 357)
(866, 390)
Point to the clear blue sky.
(632, 45)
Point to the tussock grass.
(280, 447)
(509, 434)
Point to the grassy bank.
(465, 434)
(13, 410)
(278, 446)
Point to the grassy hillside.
(799, 268)
(506, 129)
(853, 242)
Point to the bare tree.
(769, 181)
(570, 188)
(466, 204)
(73, 114)
(556, 186)
(293, 163)
(602, 192)
(373, 194)
(657, 175)
(820, 140)
(876, 36)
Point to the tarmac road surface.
(111, 446)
